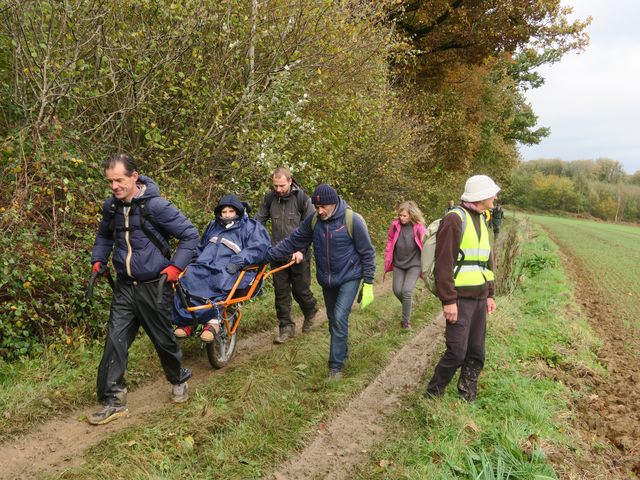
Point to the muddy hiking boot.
(180, 393)
(468, 382)
(285, 334)
(309, 321)
(107, 414)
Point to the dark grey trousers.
(295, 281)
(465, 341)
(134, 305)
(404, 283)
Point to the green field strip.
(611, 253)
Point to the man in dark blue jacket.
(136, 224)
(345, 257)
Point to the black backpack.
(145, 217)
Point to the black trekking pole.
(161, 282)
(102, 272)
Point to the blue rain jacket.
(339, 258)
(243, 243)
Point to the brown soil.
(60, 444)
(344, 442)
(607, 408)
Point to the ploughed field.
(604, 260)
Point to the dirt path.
(607, 413)
(60, 444)
(343, 444)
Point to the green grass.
(518, 417)
(611, 255)
(244, 423)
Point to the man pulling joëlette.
(139, 263)
(344, 259)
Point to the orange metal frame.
(230, 300)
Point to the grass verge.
(36, 389)
(244, 423)
(514, 427)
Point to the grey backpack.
(427, 258)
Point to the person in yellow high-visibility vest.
(465, 286)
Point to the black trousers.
(465, 341)
(295, 281)
(135, 305)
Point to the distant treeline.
(600, 188)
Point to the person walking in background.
(345, 257)
(465, 286)
(402, 255)
(496, 219)
(136, 223)
(450, 207)
(287, 205)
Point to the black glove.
(232, 268)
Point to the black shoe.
(309, 321)
(285, 334)
(107, 414)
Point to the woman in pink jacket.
(402, 255)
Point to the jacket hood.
(150, 188)
(231, 201)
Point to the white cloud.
(590, 100)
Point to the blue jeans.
(338, 301)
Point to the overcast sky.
(591, 101)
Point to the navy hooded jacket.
(243, 243)
(135, 257)
(339, 258)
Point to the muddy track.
(607, 411)
(60, 444)
(343, 443)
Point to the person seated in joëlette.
(231, 242)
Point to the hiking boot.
(182, 332)
(285, 334)
(121, 396)
(107, 414)
(335, 375)
(308, 322)
(210, 330)
(405, 325)
(429, 395)
(180, 393)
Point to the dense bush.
(211, 96)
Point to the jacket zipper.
(125, 211)
(328, 261)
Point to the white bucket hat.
(478, 188)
